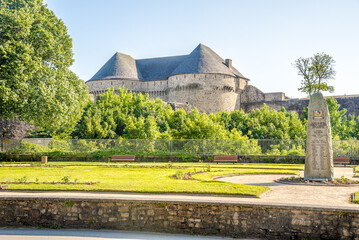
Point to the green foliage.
(28, 148)
(179, 175)
(65, 179)
(35, 82)
(59, 145)
(55, 226)
(21, 180)
(132, 116)
(284, 148)
(123, 115)
(264, 123)
(316, 72)
(69, 203)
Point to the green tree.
(271, 124)
(124, 115)
(316, 72)
(35, 82)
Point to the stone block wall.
(207, 92)
(351, 103)
(155, 89)
(275, 96)
(232, 220)
(213, 93)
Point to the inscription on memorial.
(317, 124)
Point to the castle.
(201, 79)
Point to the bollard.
(43, 159)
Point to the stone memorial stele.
(319, 153)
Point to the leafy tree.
(132, 116)
(316, 72)
(270, 124)
(35, 82)
(124, 115)
(194, 125)
(234, 120)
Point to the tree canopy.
(316, 72)
(132, 116)
(35, 54)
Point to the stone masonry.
(319, 153)
(232, 220)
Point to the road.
(45, 234)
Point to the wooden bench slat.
(341, 160)
(225, 158)
(123, 158)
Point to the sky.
(263, 38)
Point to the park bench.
(226, 158)
(124, 158)
(341, 160)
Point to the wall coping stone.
(196, 199)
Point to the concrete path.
(36, 234)
(300, 194)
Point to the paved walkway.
(301, 194)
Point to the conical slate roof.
(201, 60)
(119, 66)
(204, 60)
(158, 68)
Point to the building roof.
(118, 66)
(201, 60)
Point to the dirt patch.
(185, 176)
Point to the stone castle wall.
(207, 92)
(223, 219)
(215, 92)
(155, 89)
(297, 105)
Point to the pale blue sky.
(262, 37)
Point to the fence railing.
(173, 146)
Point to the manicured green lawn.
(356, 197)
(139, 177)
(356, 170)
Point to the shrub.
(28, 148)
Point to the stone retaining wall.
(243, 220)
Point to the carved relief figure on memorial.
(319, 155)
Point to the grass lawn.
(137, 177)
(356, 170)
(356, 197)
